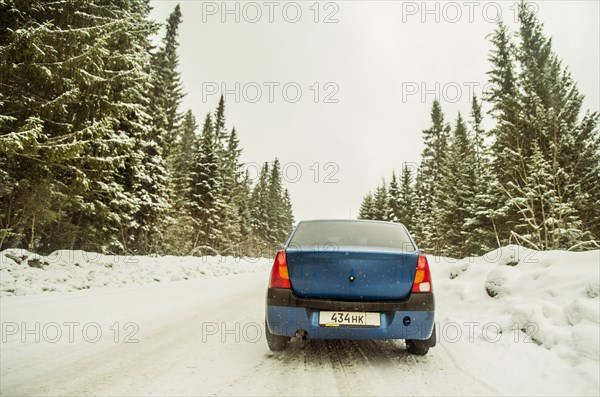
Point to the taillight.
(422, 281)
(280, 278)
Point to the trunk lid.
(352, 273)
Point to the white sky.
(383, 60)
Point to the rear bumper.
(287, 313)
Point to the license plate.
(355, 319)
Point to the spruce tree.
(406, 202)
(427, 180)
(394, 204)
(505, 110)
(92, 153)
(277, 215)
(479, 134)
(288, 216)
(260, 211)
(381, 203)
(455, 193)
(166, 86)
(547, 220)
(242, 199)
(219, 121)
(73, 106)
(183, 158)
(156, 182)
(367, 208)
(206, 204)
(271, 215)
(180, 225)
(552, 105)
(482, 219)
(230, 183)
(145, 176)
(537, 104)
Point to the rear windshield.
(324, 234)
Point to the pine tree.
(455, 193)
(179, 226)
(427, 180)
(206, 204)
(227, 153)
(381, 203)
(502, 76)
(394, 205)
(277, 222)
(156, 183)
(585, 160)
(547, 220)
(166, 86)
(537, 103)
(485, 214)
(230, 178)
(242, 199)
(259, 210)
(92, 154)
(144, 176)
(505, 110)
(479, 134)
(482, 218)
(532, 179)
(219, 121)
(552, 104)
(183, 158)
(288, 216)
(73, 85)
(407, 200)
(367, 208)
(271, 215)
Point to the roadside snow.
(26, 273)
(512, 322)
(523, 299)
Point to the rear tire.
(276, 343)
(421, 347)
(414, 347)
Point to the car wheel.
(276, 343)
(421, 347)
(414, 347)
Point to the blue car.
(350, 279)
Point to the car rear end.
(351, 280)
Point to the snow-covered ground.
(530, 313)
(514, 322)
(25, 273)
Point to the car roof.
(349, 220)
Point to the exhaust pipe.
(302, 334)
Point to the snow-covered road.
(205, 337)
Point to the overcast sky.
(340, 91)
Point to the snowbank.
(26, 273)
(549, 299)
